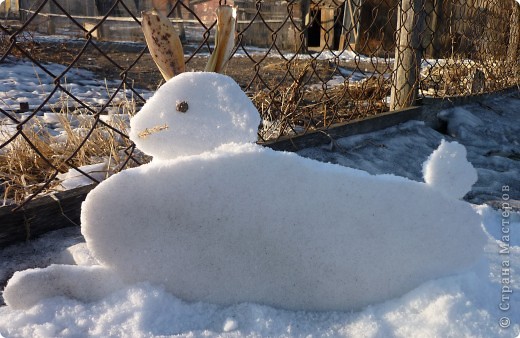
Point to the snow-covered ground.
(23, 81)
(490, 131)
(464, 305)
(480, 301)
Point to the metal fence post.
(408, 53)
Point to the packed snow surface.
(463, 305)
(489, 130)
(191, 115)
(383, 217)
(448, 170)
(24, 81)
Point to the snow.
(344, 55)
(207, 242)
(448, 170)
(74, 178)
(463, 304)
(164, 132)
(23, 81)
(489, 131)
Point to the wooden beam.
(514, 34)
(305, 21)
(351, 24)
(408, 54)
(327, 28)
(42, 215)
(434, 17)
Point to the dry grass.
(296, 106)
(459, 77)
(32, 160)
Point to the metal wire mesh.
(306, 65)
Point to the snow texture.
(448, 170)
(464, 305)
(74, 178)
(212, 117)
(489, 131)
(213, 218)
(23, 81)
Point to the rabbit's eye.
(182, 106)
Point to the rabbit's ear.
(164, 44)
(224, 39)
(161, 6)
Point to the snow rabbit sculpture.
(217, 218)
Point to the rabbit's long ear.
(161, 6)
(224, 39)
(164, 44)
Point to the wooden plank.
(305, 7)
(41, 215)
(324, 136)
(9, 8)
(427, 111)
(514, 34)
(351, 24)
(327, 28)
(408, 54)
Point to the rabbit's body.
(214, 218)
(277, 229)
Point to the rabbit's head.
(193, 113)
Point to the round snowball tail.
(448, 171)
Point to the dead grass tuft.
(299, 105)
(460, 77)
(32, 160)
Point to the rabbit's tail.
(448, 170)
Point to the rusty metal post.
(408, 53)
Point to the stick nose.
(152, 130)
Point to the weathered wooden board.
(41, 215)
(408, 54)
(320, 137)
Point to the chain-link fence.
(73, 71)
